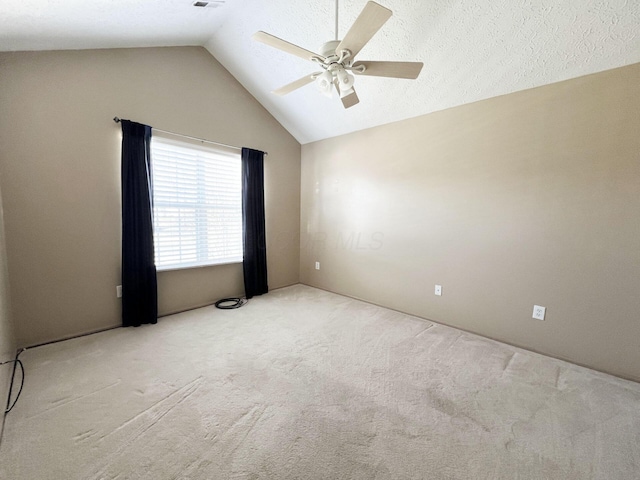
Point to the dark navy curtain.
(139, 282)
(254, 238)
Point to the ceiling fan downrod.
(336, 21)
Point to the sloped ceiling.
(472, 50)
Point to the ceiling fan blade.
(372, 17)
(409, 70)
(350, 100)
(301, 82)
(285, 46)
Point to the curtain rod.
(117, 120)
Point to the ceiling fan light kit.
(337, 58)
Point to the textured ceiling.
(472, 50)
(82, 24)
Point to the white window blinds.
(197, 203)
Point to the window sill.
(189, 267)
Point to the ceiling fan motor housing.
(329, 48)
(335, 64)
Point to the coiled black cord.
(231, 303)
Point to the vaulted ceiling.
(472, 50)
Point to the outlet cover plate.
(539, 312)
(438, 290)
(317, 265)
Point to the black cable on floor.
(15, 362)
(231, 303)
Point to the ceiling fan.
(337, 57)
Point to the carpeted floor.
(305, 384)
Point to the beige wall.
(7, 339)
(530, 198)
(60, 166)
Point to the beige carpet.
(304, 384)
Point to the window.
(197, 203)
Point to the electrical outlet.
(538, 312)
(119, 291)
(438, 290)
(317, 265)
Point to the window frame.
(202, 151)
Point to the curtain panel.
(254, 237)
(139, 281)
